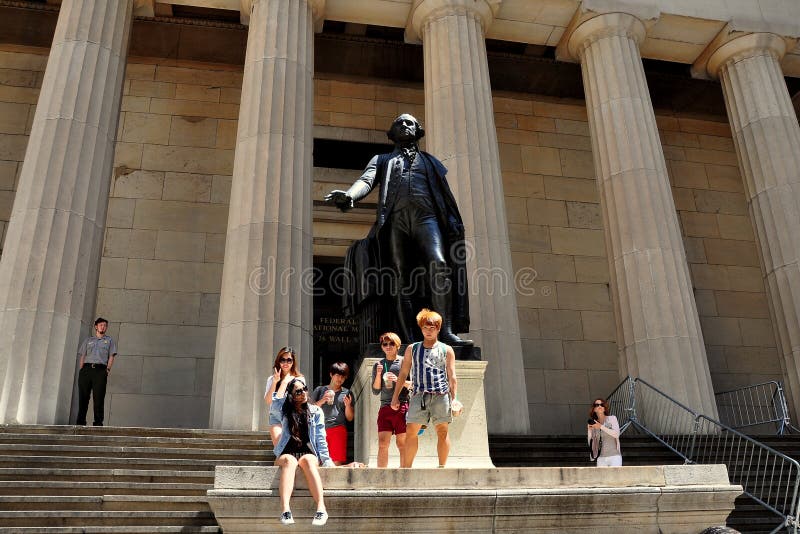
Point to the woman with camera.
(603, 435)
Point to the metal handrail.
(755, 405)
(769, 477)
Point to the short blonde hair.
(427, 316)
(391, 336)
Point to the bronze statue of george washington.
(418, 234)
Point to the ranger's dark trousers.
(92, 379)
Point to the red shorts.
(337, 443)
(392, 421)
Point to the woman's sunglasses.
(286, 360)
(387, 344)
(299, 391)
(596, 404)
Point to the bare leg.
(443, 442)
(310, 466)
(275, 432)
(412, 443)
(384, 439)
(400, 441)
(288, 465)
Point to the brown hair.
(427, 316)
(283, 352)
(391, 336)
(606, 411)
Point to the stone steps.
(106, 475)
(130, 529)
(201, 433)
(137, 441)
(25, 449)
(89, 462)
(79, 518)
(38, 487)
(65, 479)
(11, 503)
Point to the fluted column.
(51, 258)
(658, 329)
(461, 132)
(767, 140)
(266, 293)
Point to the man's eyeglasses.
(387, 344)
(299, 391)
(286, 360)
(596, 404)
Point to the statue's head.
(405, 128)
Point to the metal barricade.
(759, 405)
(769, 477)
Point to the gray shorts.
(437, 409)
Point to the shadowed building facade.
(626, 172)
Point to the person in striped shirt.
(432, 367)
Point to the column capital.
(588, 26)
(424, 11)
(317, 12)
(731, 44)
(144, 8)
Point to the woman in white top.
(284, 371)
(603, 435)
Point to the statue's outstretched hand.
(341, 199)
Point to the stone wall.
(164, 246)
(165, 240)
(21, 74)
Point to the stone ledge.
(242, 478)
(668, 499)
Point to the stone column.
(51, 258)
(658, 329)
(767, 140)
(266, 289)
(461, 132)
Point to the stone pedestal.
(658, 329)
(265, 302)
(468, 435)
(669, 499)
(461, 133)
(51, 258)
(767, 140)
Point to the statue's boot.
(446, 335)
(441, 303)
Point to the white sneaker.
(287, 519)
(320, 518)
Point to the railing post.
(785, 421)
(632, 396)
(695, 432)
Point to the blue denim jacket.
(316, 435)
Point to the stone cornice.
(423, 11)
(731, 44)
